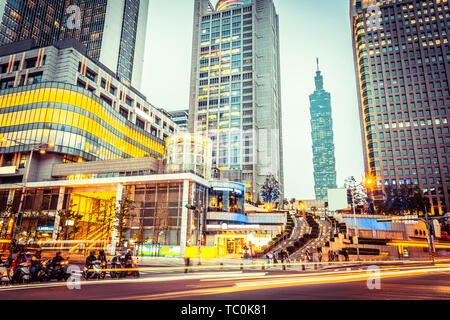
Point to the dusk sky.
(308, 29)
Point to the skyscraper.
(235, 89)
(401, 56)
(322, 138)
(113, 31)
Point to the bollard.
(316, 266)
(221, 265)
(284, 267)
(242, 266)
(303, 267)
(263, 267)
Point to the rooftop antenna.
(317, 59)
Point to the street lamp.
(369, 183)
(352, 191)
(42, 150)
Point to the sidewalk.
(176, 261)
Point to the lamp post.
(368, 183)
(356, 223)
(430, 236)
(42, 150)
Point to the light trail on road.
(293, 280)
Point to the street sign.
(46, 228)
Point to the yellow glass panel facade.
(88, 120)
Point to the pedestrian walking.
(320, 257)
(281, 256)
(268, 258)
(336, 253)
(187, 262)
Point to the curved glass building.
(230, 4)
(56, 96)
(189, 153)
(74, 120)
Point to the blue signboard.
(48, 228)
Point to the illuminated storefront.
(158, 216)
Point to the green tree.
(65, 216)
(124, 212)
(270, 191)
(140, 237)
(359, 189)
(8, 212)
(418, 202)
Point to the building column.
(58, 208)
(184, 218)
(119, 192)
(226, 201)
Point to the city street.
(397, 282)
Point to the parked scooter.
(5, 274)
(59, 271)
(116, 263)
(45, 272)
(103, 266)
(94, 271)
(130, 264)
(24, 274)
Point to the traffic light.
(191, 207)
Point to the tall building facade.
(235, 89)
(113, 31)
(322, 138)
(401, 55)
(181, 118)
(56, 95)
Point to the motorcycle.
(104, 266)
(59, 272)
(115, 264)
(44, 272)
(24, 274)
(95, 270)
(130, 264)
(5, 274)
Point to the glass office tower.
(401, 56)
(119, 26)
(235, 89)
(322, 138)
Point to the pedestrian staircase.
(320, 234)
(291, 234)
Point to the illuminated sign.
(48, 228)
(8, 170)
(234, 227)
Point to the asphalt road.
(396, 282)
